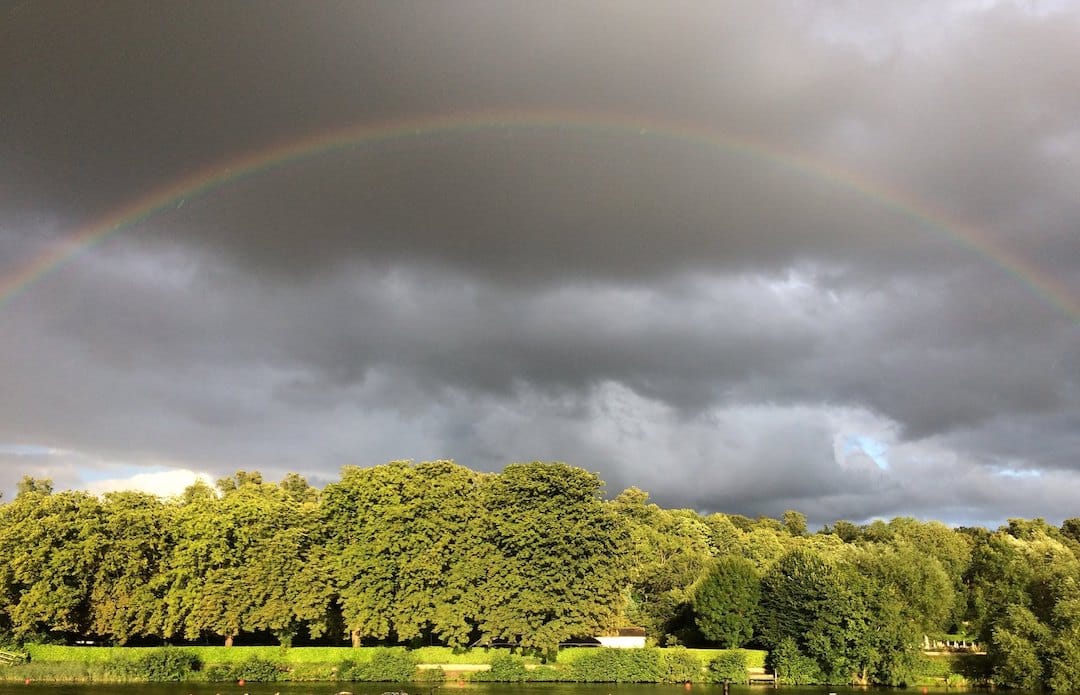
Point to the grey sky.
(869, 312)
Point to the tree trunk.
(228, 639)
(355, 634)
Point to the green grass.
(63, 664)
(61, 654)
(54, 673)
(52, 653)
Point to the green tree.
(440, 564)
(280, 566)
(920, 585)
(794, 522)
(52, 543)
(129, 583)
(556, 568)
(668, 551)
(203, 592)
(726, 602)
(825, 608)
(366, 514)
(1017, 649)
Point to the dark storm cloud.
(727, 329)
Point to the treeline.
(437, 553)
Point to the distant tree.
(794, 522)
(667, 552)
(29, 485)
(238, 480)
(726, 602)
(845, 530)
(922, 589)
(1070, 528)
(297, 487)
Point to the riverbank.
(432, 665)
(69, 664)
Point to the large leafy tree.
(366, 514)
(825, 608)
(247, 560)
(129, 583)
(52, 543)
(726, 602)
(203, 588)
(556, 568)
(920, 585)
(440, 562)
(667, 552)
(281, 566)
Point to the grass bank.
(71, 664)
(955, 670)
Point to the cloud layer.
(804, 305)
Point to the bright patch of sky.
(877, 450)
(910, 26)
(1021, 473)
(161, 482)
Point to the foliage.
(546, 674)
(729, 667)
(505, 668)
(607, 665)
(668, 552)
(167, 665)
(433, 553)
(258, 670)
(430, 675)
(50, 543)
(726, 602)
(794, 522)
(389, 665)
(551, 549)
(679, 665)
(792, 667)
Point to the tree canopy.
(436, 553)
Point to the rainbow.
(16, 281)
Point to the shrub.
(505, 668)
(156, 666)
(431, 675)
(728, 667)
(792, 667)
(546, 674)
(218, 673)
(607, 665)
(254, 668)
(679, 666)
(389, 665)
(311, 672)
